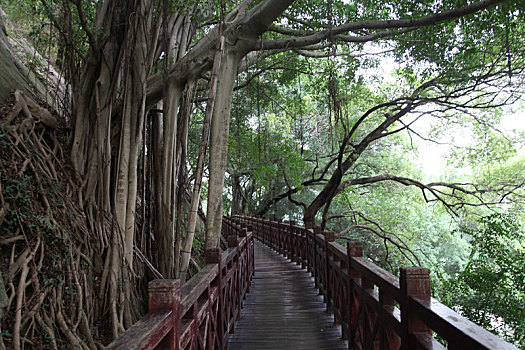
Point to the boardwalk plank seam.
(283, 309)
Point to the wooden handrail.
(376, 309)
(200, 313)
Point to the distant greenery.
(490, 290)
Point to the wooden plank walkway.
(283, 309)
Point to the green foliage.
(54, 29)
(490, 290)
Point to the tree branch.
(295, 42)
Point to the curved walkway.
(283, 310)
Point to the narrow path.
(283, 309)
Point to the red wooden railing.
(200, 313)
(376, 309)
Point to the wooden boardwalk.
(283, 309)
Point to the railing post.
(413, 281)
(354, 249)
(309, 256)
(244, 231)
(367, 287)
(304, 241)
(328, 238)
(388, 339)
(273, 223)
(286, 238)
(233, 242)
(245, 262)
(251, 251)
(291, 238)
(317, 230)
(278, 237)
(275, 234)
(213, 256)
(267, 224)
(165, 294)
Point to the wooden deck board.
(283, 309)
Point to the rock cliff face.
(10, 76)
(14, 75)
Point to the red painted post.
(354, 249)
(165, 294)
(413, 281)
(251, 252)
(260, 223)
(328, 238)
(287, 240)
(279, 238)
(232, 240)
(367, 287)
(237, 265)
(271, 230)
(244, 231)
(269, 240)
(213, 256)
(244, 268)
(309, 255)
(304, 241)
(291, 238)
(317, 230)
(260, 228)
(267, 231)
(275, 235)
(388, 339)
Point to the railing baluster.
(213, 256)
(413, 281)
(388, 338)
(309, 255)
(317, 231)
(354, 249)
(291, 237)
(328, 238)
(165, 294)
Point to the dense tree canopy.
(312, 111)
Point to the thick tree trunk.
(192, 220)
(251, 24)
(107, 198)
(324, 197)
(125, 197)
(166, 183)
(219, 145)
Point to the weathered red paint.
(376, 309)
(201, 313)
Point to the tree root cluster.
(47, 276)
